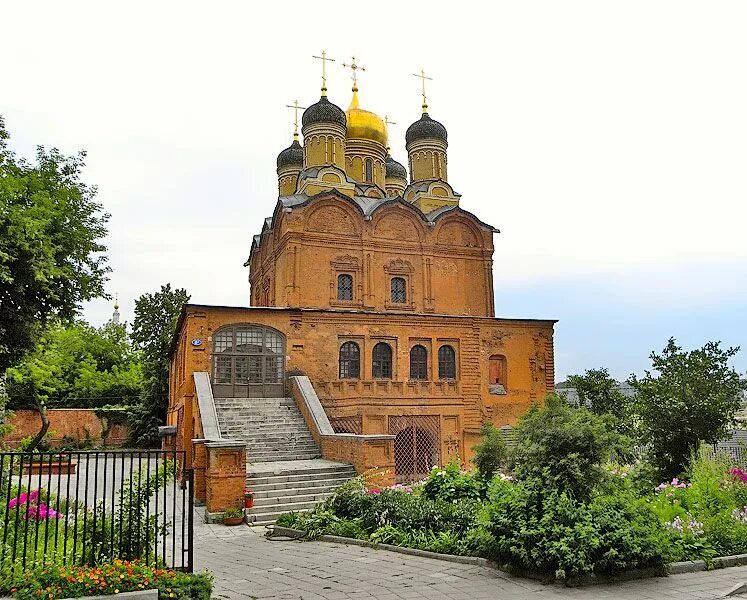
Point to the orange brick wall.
(448, 267)
(78, 423)
(313, 338)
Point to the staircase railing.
(219, 464)
(371, 455)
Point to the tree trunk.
(42, 408)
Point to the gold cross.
(423, 77)
(295, 108)
(387, 123)
(324, 58)
(355, 68)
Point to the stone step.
(288, 486)
(258, 446)
(287, 492)
(271, 502)
(256, 479)
(274, 511)
(289, 456)
(266, 518)
(271, 433)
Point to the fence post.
(225, 477)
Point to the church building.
(374, 286)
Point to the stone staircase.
(284, 468)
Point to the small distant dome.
(363, 124)
(291, 156)
(323, 112)
(395, 169)
(425, 128)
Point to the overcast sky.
(606, 140)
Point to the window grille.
(350, 361)
(418, 362)
(382, 361)
(345, 287)
(369, 170)
(399, 290)
(446, 363)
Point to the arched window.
(248, 359)
(418, 362)
(399, 290)
(382, 361)
(498, 383)
(350, 361)
(369, 170)
(446, 363)
(344, 287)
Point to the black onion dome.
(323, 112)
(395, 169)
(425, 128)
(291, 156)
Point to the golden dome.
(363, 124)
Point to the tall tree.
(51, 254)
(154, 324)
(692, 399)
(76, 365)
(599, 392)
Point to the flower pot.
(233, 520)
(248, 501)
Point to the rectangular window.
(223, 369)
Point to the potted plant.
(248, 498)
(233, 516)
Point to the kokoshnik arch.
(372, 281)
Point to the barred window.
(369, 170)
(418, 362)
(344, 287)
(350, 361)
(446, 363)
(399, 291)
(382, 361)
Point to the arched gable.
(459, 231)
(397, 220)
(328, 215)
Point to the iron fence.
(89, 507)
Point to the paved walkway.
(246, 565)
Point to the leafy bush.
(112, 578)
(450, 484)
(490, 452)
(549, 531)
(564, 447)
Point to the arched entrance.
(416, 446)
(248, 362)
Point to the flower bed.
(534, 530)
(119, 576)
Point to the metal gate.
(88, 508)
(416, 446)
(248, 362)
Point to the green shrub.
(545, 530)
(490, 452)
(450, 485)
(564, 447)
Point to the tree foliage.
(155, 320)
(564, 447)
(51, 254)
(692, 399)
(599, 392)
(490, 452)
(76, 365)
